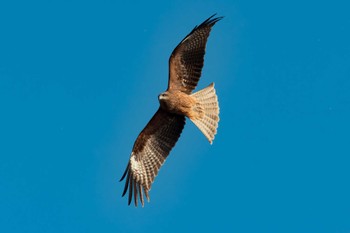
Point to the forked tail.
(208, 111)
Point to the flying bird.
(156, 140)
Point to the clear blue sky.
(80, 79)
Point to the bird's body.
(156, 140)
(177, 102)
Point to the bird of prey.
(156, 140)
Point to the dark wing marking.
(187, 59)
(150, 150)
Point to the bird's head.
(163, 96)
(163, 99)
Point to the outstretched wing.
(150, 150)
(187, 59)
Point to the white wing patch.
(135, 166)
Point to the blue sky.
(80, 79)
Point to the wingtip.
(130, 191)
(136, 191)
(147, 194)
(208, 22)
(124, 174)
(219, 17)
(211, 20)
(141, 195)
(126, 185)
(135, 194)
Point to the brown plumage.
(187, 59)
(160, 135)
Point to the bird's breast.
(178, 103)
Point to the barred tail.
(208, 112)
